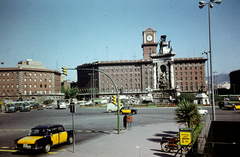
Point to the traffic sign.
(185, 136)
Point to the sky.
(73, 32)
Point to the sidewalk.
(140, 141)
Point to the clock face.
(149, 38)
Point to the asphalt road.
(89, 123)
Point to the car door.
(62, 134)
(54, 136)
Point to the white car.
(202, 111)
(49, 106)
(62, 105)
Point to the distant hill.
(221, 78)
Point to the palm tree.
(187, 113)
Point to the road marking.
(62, 150)
(6, 150)
(5, 147)
(52, 152)
(94, 131)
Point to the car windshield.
(38, 132)
(10, 105)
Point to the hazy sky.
(73, 32)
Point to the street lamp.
(91, 84)
(208, 74)
(214, 78)
(210, 5)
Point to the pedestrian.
(125, 122)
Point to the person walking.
(125, 122)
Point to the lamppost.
(210, 5)
(214, 78)
(208, 74)
(91, 85)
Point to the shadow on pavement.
(166, 134)
(160, 153)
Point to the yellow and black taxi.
(127, 110)
(44, 137)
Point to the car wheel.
(47, 148)
(109, 111)
(70, 140)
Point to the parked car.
(44, 137)
(88, 102)
(112, 108)
(222, 104)
(25, 107)
(49, 106)
(9, 107)
(202, 111)
(62, 105)
(40, 107)
(125, 110)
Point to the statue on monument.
(162, 77)
(163, 45)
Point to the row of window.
(189, 89)
(121, 75)
(136, 85)
(25, 80)
(190, 68)
(126, 80)
(125, 89)
(189, 73)
(25, 74)
(191, 83)
(190, 78)
(25, 92)
(25, 86)
(121, 70)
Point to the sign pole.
(73, 111)
(73, 128)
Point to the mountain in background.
(220, 78)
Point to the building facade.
(157, 74)
(189, 74)
(234, 81)
(29, 80)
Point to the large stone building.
(29, 80)
(157, 76)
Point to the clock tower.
(149, 42)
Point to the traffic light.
(114, 99)
(72, 108)
(64, 70)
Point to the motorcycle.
(168, 145)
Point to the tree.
(48, 101)
(186, 96)
(69, 92)
(93, 90)
(187, 113)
